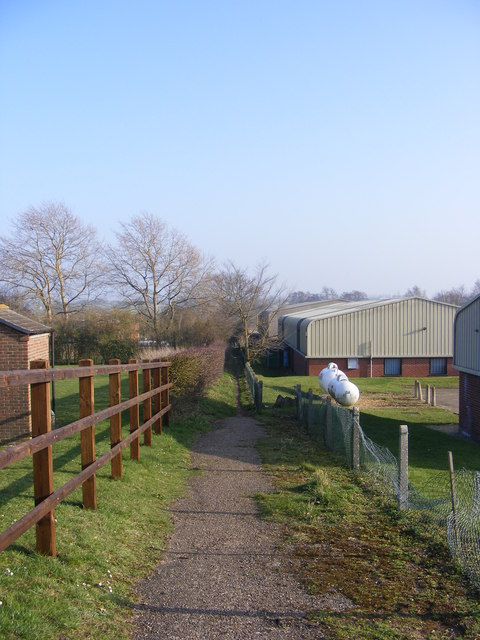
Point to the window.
(438, 366)
(393, 366)
(352, 363)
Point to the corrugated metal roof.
(21, 323)
(466, 349)
(338, 307)
(394, 327)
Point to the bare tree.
(476, 288)
(354, 295)
(415, 292)
(243, 297)
(157, 270)
(50, 258)
(457, 296)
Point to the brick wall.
(16, 351)
(299, 363)
(469, 404)
(411, 367)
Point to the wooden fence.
(155, 392)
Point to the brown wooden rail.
(156, 386)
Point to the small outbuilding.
(372, 338)
(466, 359)
(21, 341)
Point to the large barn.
(466, 360)
(371, 338)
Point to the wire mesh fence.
(451, 502)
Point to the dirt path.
(223, 575)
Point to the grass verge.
(392, 574)
(87, 590)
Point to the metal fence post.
(355, 438)
(403, 467)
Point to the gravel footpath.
(224, 574)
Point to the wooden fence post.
(403, 467)
(147, 406)
(165, 397)
(157, 398)
(134, 411)
(42, 460)
(116, 420)
(427, 396)
(87, 436)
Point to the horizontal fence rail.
(156, 388)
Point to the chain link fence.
(453, 504)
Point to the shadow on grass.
(428, 449)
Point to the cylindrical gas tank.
(343, 391)
(326, 375)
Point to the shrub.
(122, 349)
(193, 369)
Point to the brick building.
(21, 341)
(371, 338)
(466, 359)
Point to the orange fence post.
(157, 399)
(134, 411)
(42, 460)
(87, 436)
(147, 406)
(165, 397)
(116, 420)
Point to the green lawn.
(428, 449)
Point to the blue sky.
(339, 141)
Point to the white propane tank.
(337, 384)
(343, 391)
(326, 375)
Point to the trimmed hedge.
(195, 369)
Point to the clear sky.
(337, 140)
